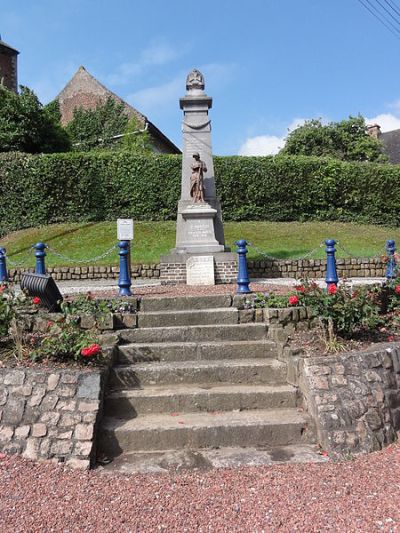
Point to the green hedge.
(44, 189)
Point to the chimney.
(374, 130)
(8, 66)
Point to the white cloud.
(387, 121)
(262, 145)
(157, 54)
(157, 97)
(268, 144)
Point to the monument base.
(197, 228)
(173, 267)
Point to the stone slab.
(200, 270)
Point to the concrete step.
(154, 319)
(195, 351)
(193, 398)
(232, 332)
(268, 371)
(173, 461)
(270, 427)
(181, 303)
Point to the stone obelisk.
(199, 230)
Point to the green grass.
(284, 240)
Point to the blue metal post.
(243, 275)
(331, 273)
(391, 268)
(3, 265)
(40, 254)
(124, 280)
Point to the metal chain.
(308, 254)
(90, 260)
(339, 245)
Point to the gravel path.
(358, 495)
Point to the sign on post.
(125, 229)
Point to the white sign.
(200, 270)
(125, 229)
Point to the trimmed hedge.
(44, 189)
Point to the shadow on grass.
(285, 254)
(57, 236)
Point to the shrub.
(79, 187)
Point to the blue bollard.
(243, 274)
(40, 254)
(331, 273)
(124, 280)
(3, 265)
(391, 268)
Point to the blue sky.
(268, 64)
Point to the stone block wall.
(225, 272)
(142, 271)
(354, 398)
(316, 268)
(51, 414)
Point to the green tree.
(136, 138)
(347, 140)
(96, 128)
(27, 126)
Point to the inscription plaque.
(200, 270)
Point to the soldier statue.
(196, 179)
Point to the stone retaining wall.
(354, 398)
(225, 272)
(51, 413)
(316, 268)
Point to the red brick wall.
(8, 68)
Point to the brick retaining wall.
(225, 272)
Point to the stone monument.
(199, 230)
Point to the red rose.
(332, 289)
(300, 288)
(397, 289)
(293, 300)
(91, 350)
(36, 300)
(390, 338)
(49, 324)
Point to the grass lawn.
(284, 240)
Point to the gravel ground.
(187, 290)
(355, 495)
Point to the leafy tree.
(137, 139)
(96, 128)
(347, 140)
(27, 126)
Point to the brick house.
(8, 66)
(390, 141)
(84, 90)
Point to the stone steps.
(199, 333)
(195, 351)
(250, 371)
(193, 398)
(153, 319)
(267, 427)
(185, 303)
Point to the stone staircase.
(192, 377)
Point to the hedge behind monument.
(73, 187)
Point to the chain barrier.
(379, 254)
(306, 256)
(80, 261)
